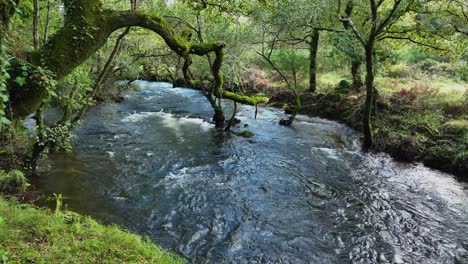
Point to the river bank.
(155, 164)
(32, 235)
(410, 125)
(29, 234)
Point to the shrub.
(398, 71)
(13, 182)
(456, 127)
(343, 87)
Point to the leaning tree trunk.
(313, 46)
(86, 29)
(103, 75)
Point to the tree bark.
(47, 21)
(36, 24)
(105, 71)
(313, 46)
(367, 128)
(356, 75)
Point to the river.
(302, 194)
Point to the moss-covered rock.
(343, 87)
(13, 182)
(245, 133)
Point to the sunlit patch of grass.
(326, 82)
(30, 235)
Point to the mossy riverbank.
(414, 125)
(33, 235)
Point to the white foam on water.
(135, 117)
(205, 126)
(176, 123)
(169, 120)
(330, 153)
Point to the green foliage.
(72, 90)
(406, 49)
(343, 87)
(291, 60)
(60, 137)
(456, 127)
(346, 43)
(13, 182)
(4, 76)
(45, 78)
(399, 70)
(30, 235)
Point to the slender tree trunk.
(231, 121)
(313, 46)
(218, 117)
(36, 24)
(41, 143)
(47, 20)
(367, 128)
(105, 71)
(356, 74)
(188, 76)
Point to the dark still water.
(303, 194)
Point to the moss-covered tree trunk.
(86, 29)
(356, 75)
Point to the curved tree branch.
(86, 29)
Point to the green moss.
(30, 235)
(243, 99)
(13, 182)
(456, 127)
(245, 133)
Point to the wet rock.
(285, 122)
(119, 99)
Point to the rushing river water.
(300, 194)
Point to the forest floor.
(421, 120)
(32, 235)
